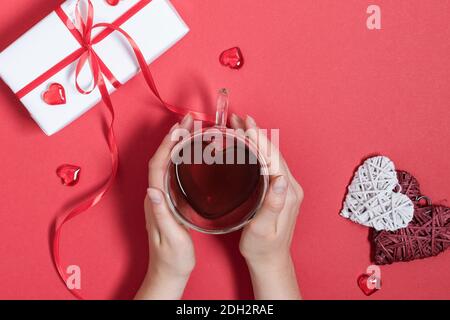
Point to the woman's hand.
(172, 255)
(266, 240)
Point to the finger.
(162, 153)
(266, 219)
(165, 222)
(150, 224)
(158, 163)
(275, 162)
(237, 122)
(288, 217)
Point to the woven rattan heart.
(428, 234)
(373, 199)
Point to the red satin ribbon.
(83, 33)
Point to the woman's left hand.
(172, 255)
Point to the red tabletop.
(337, 91)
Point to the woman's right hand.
(266, 240)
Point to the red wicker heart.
(427, 235)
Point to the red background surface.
(337, 91)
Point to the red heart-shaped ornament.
(427, 235)
(55, 95)
(409, 184)
(363, 284)
(232, 58)
(113, 2)
(69, 174)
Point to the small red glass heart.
(69, 174)
(113, 2)
(232, 58)
(55, 95)
(363, 283)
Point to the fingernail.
(174, 127)
(251, 121)
(234, 119)
(186, 119)
(154, 196)
(280, 185)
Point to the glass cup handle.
(222, 108)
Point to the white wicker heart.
(372, 200)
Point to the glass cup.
(216, 178)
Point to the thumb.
(160, 214)
(267, 217)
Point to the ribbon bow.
(83, 33)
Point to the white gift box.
(155, 28)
